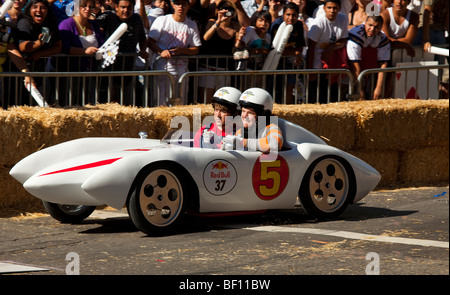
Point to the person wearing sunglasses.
(81, 36)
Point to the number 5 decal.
(270, 177)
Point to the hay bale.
(14, 198)
(335, 123)
(402, 124)
(164, 115)
(24, 130)
(20, 133)
(425, 166)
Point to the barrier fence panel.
(137, 88)
(425, 82)
(202, 87)
(131, 84)
(293, 84)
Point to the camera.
(45, 35)
(229, 10)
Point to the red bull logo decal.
(220, 174)
(220, 165)
(219, 177)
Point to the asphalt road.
(391, 232)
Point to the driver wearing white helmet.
(225, 104)
(256, 102)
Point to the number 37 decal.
(270, 178)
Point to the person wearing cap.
(256, 102)
(225, 104)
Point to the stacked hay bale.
(407, 141)
(412, 133)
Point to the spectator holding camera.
(37, 34)
(219, 39)
(241, 15)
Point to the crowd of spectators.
(354, 34)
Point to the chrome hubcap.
(161, 197)
(329, 185)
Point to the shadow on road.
(195, 224)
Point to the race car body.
(161, 180)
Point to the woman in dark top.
(37, 34)
(219, 39)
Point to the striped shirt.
(359, 40)
(270, 139)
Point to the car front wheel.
(327, 188)
(68, 213)
(158, 203)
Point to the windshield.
(179, 137)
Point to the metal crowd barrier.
(142, 88)
(411, 82)
(135, 88)
(278, 87)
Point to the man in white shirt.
(327, 35)
(171, 35)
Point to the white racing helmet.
(258, 99)
(227, 96)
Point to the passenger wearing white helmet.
(256, 102)
(225, 104)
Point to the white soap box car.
(160, 181)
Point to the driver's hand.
(229, 142)
(207, 135)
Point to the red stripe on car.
(85, 166)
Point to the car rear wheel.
(327, 188)
(68, 213)
(158, 203)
